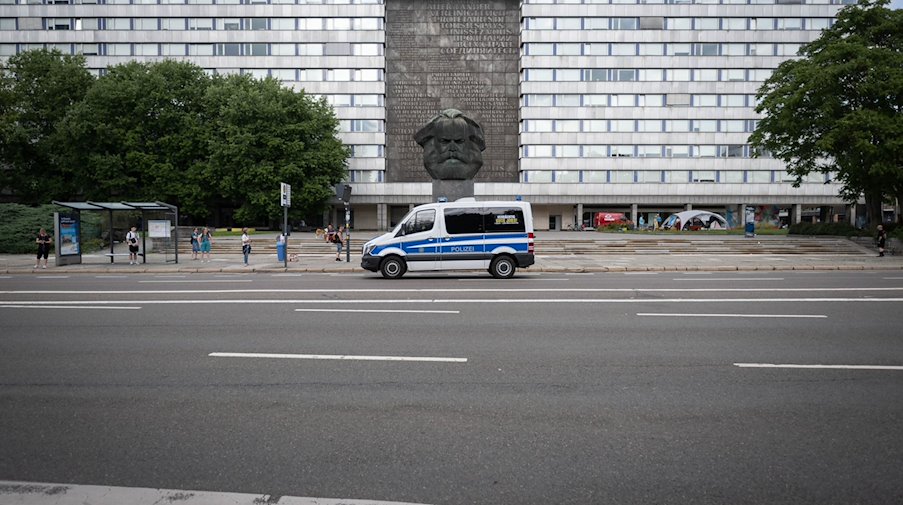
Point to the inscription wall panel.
(452, 54)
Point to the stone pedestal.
(452, 190)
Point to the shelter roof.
(115, 205)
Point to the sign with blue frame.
(68, 226)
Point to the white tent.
(709, 220)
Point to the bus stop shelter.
(156, 227)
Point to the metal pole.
(348, 233)
(285, 236)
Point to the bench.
(113, 255)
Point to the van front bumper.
(370, 263)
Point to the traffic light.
(343, 192)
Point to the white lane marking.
(455, 300)
(6, 276)
(383, 310)
(192, 282)
(111, 276)
(893, 278)
(834, 367)
(334, 357)
(514, 279)
(733, 279)
(52, 276)
(43, 493)
(654, 314)
(440, 290)
(697, 273)
(287, 275)
(106, 307)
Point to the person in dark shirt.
(881, 240)
(44, 242)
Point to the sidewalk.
(574, 263)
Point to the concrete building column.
(743, 214)
(382, 216)
(411, 207)
(689, 206)
(634, 209)
(579, 222)
(797, 213)
(851, 212)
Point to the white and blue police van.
(460, 235)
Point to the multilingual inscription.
(443, 54)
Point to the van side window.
(505, 220)
(461, 221)
(422, 221)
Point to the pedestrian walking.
(195, 243)
(44, 241)
(131, 238)
(338, 240)
(206, 240)
(245, 244)
(880, 240)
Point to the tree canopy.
(837, 109)
(168, 131)
(37, 89)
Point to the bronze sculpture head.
(453, 146)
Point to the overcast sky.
(897, 4)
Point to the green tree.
(262, 134)
(37, 89)
(140, 134)
(838, 108)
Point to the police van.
(460, 235)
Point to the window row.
(665, 176)
(698, 2)
(366, 176)
(646, 74)
(632, 100)
(191, 2)
(639, 125)
(362, 125)
(647, 49)
(254, 49)
(224, 24)
(368, 151)
(642, 151)
(663, 23)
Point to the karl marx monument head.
(452, 146)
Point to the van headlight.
(368, 248)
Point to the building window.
(567, 176)
(624, 23)
(228, 49)
(595, 176)
(173, 50)
(622, 176)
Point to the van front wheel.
(502, 267)
(392, 267)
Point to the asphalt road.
(546, 388)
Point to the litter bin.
(280, 250)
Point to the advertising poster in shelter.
(68, 226)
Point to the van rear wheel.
(393, 267)
(502, 267)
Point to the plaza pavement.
(637, 261)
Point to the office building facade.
(635, 106)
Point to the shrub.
(835, 229)
(19, 225)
